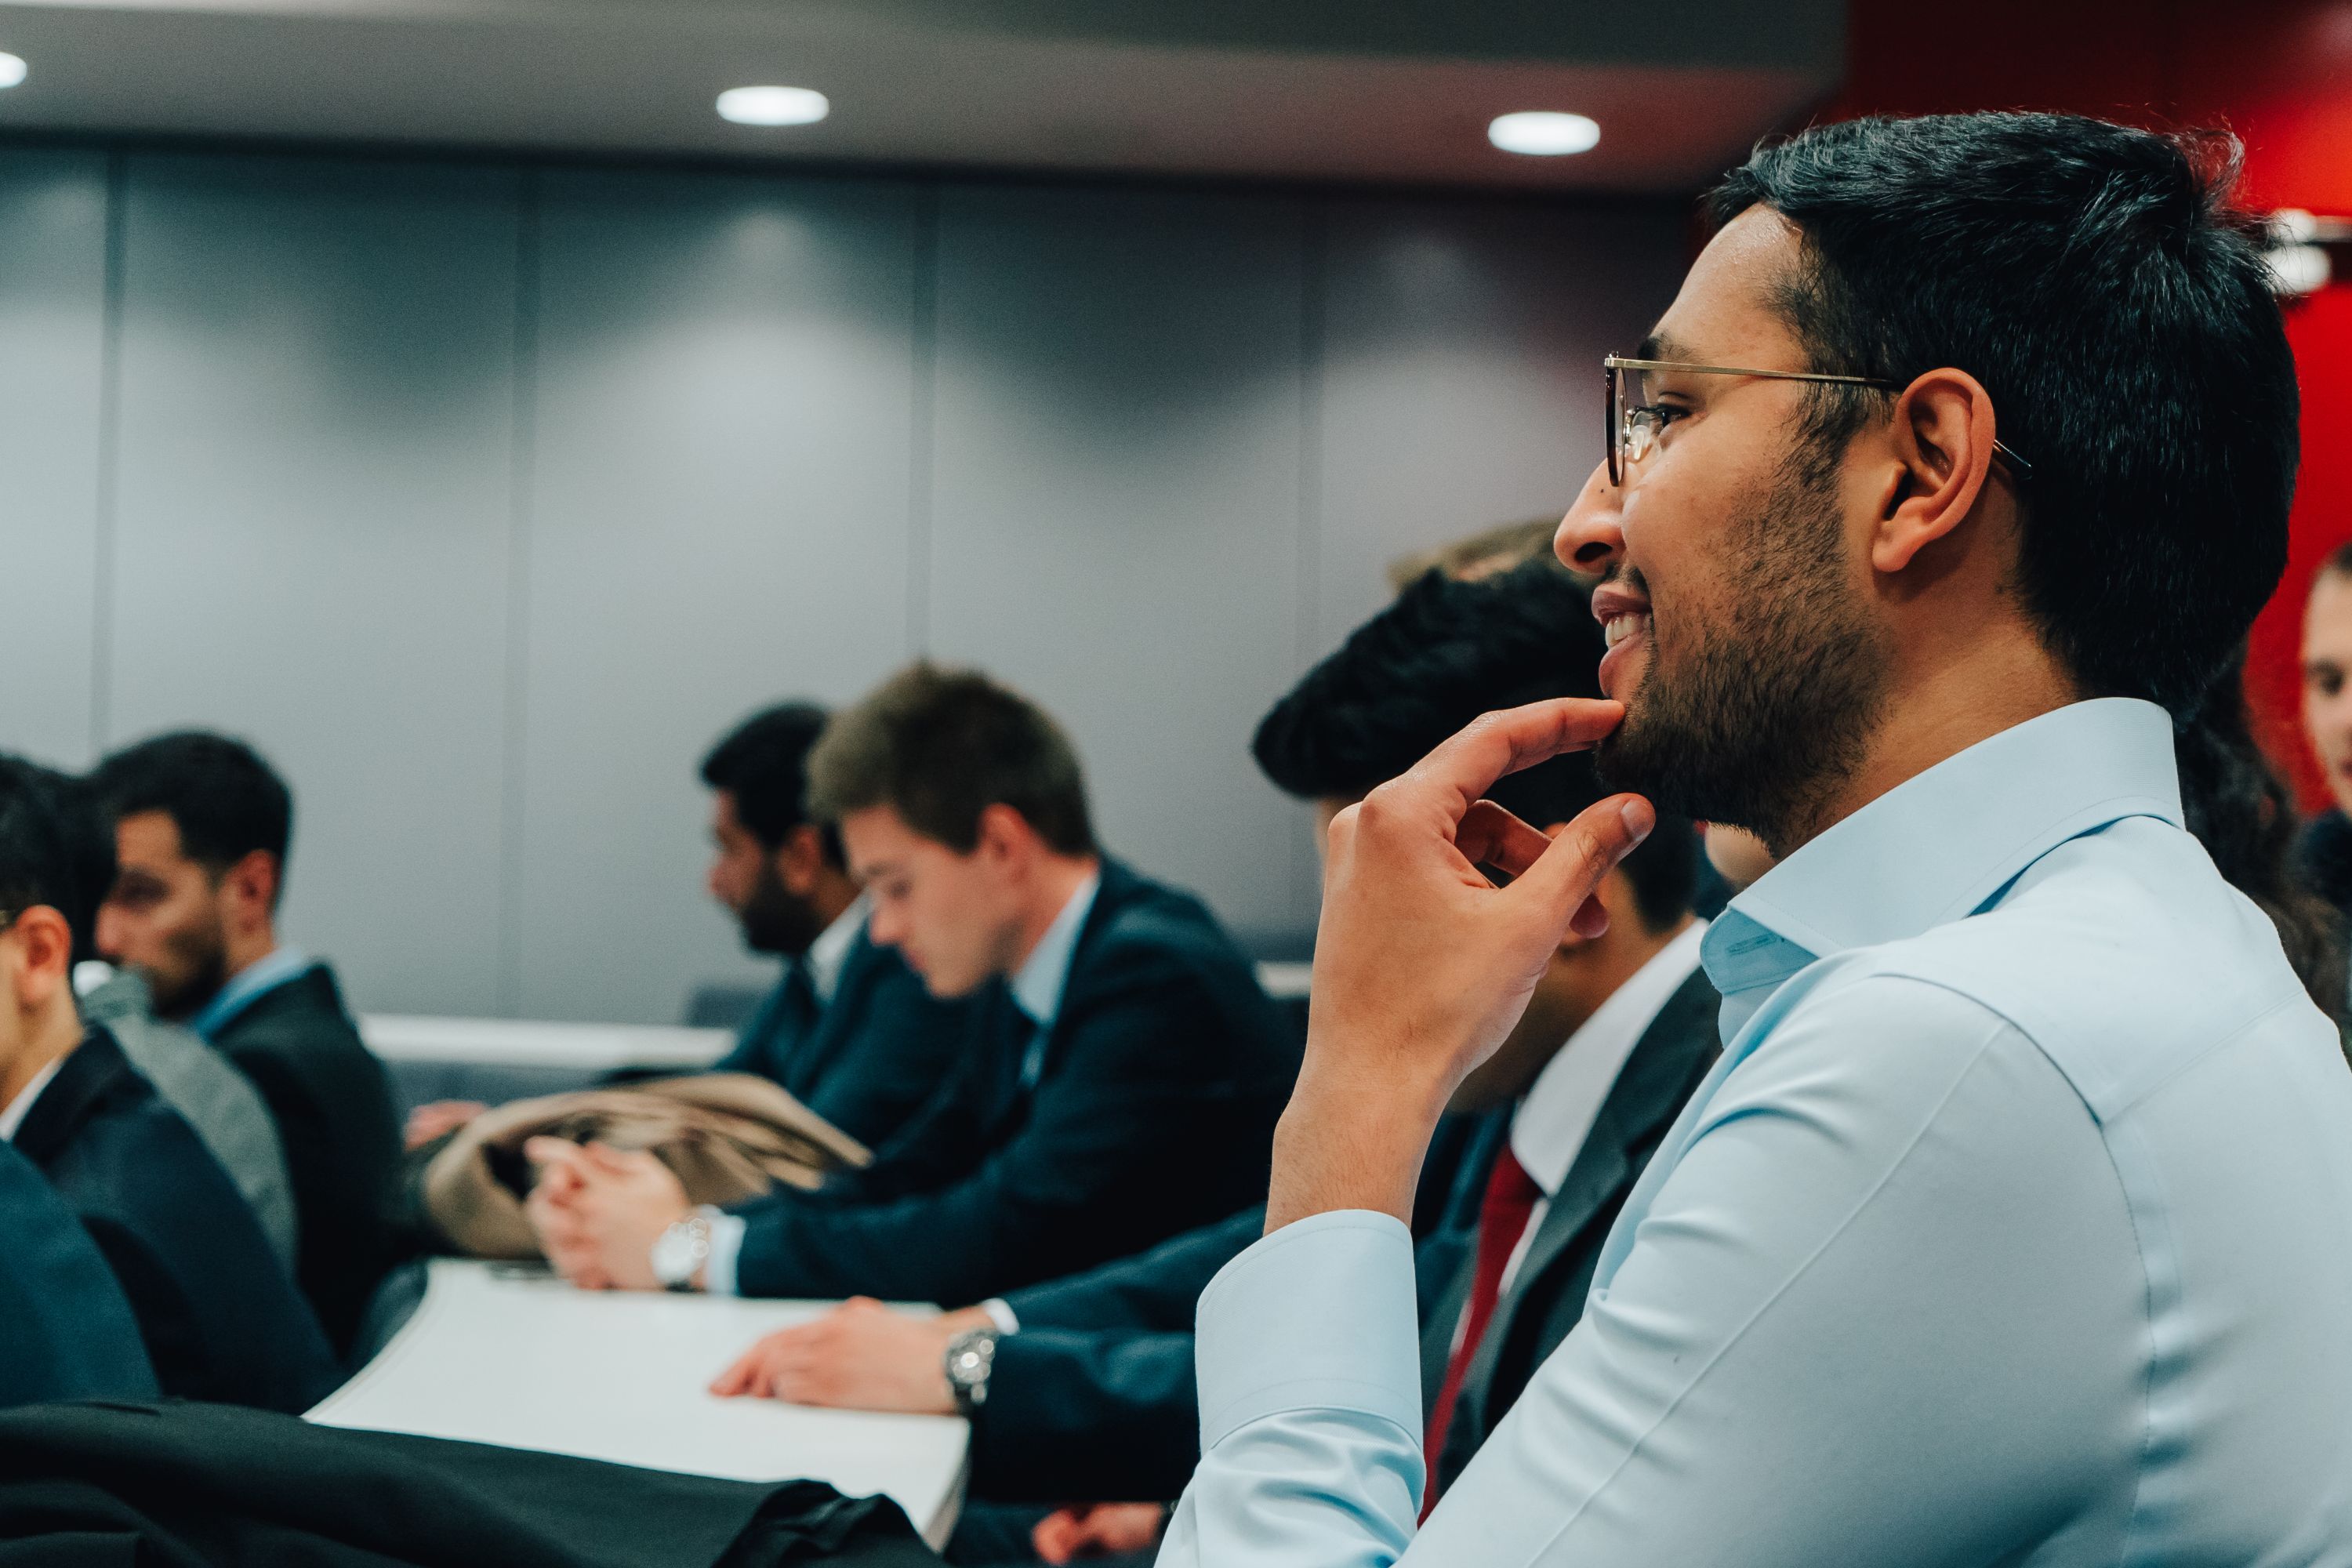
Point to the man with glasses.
(2015, 1223)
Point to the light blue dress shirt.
(2013, 1226)
(1037, 986)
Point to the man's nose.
(109, 933)
(1590, 538)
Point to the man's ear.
(252, 883)
(1615, 893)
(45, 954)
(1942, 434)
(800, 859)
(1004, 833)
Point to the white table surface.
(526, 1042)
(530, 1363)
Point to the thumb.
(1562, 879)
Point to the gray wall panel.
(721, 508)
(1119, 464)
(52, 333)
(315, 479)
(1461, 372)
(484, 500)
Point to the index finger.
(1461, 768)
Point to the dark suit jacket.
(1095, 1398)
(220, 1320)
(1547, 1297)
(210, 1486)
(68, 1332)
(1163, 1073)
(871, 1056)
(332, 1104)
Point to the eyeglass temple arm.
(1614, 362)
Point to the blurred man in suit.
(69, 1333)
(216, 1101)
(2326, 851)
(202, 828)
(848, 1030)
(218, 1314)
(1124, 1086)
(1089, 1384)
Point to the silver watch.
(970, 1355)
(679, 1252)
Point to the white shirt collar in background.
(1551, 1123)
(22, 1106)
(1044, 975)
(830, 951)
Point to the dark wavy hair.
(2100, 283)
(2240, 809)
(1445, 652)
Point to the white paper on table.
(532, 1363)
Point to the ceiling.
(1377, 90)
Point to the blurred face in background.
(765, 889)
(2328, 681)
(167, 916)
(957, 919)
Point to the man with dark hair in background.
(202, 828)
(218, 1317)
(2013, 1224)
(848, 1030)
(216, 1099)
(1091, 1392)
(1122, 1088)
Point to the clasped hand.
(1423, 963)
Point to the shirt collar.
(248, 986)
(830, 951)
(12, 1116)
(1551, 1123)
(1046, 973)
(1943, 845)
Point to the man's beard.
(775, 921)
(201, 969)
(1761, 721)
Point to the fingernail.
(1638, 822)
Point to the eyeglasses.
(1634, 423)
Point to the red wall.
(2278, 74)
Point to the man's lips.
(1624, 618)
(1613, 599)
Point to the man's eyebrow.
(1658, 346)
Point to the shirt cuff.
(1000, 1312)
(1321, 1315)
(726, 1246)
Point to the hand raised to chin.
(1422, 963)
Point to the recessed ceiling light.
(1540, 133)
(12, 70)
(774, 105)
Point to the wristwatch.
(680, 1251)
(971, 1354)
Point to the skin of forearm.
(1347, 1143)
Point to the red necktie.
(1511, 1198)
